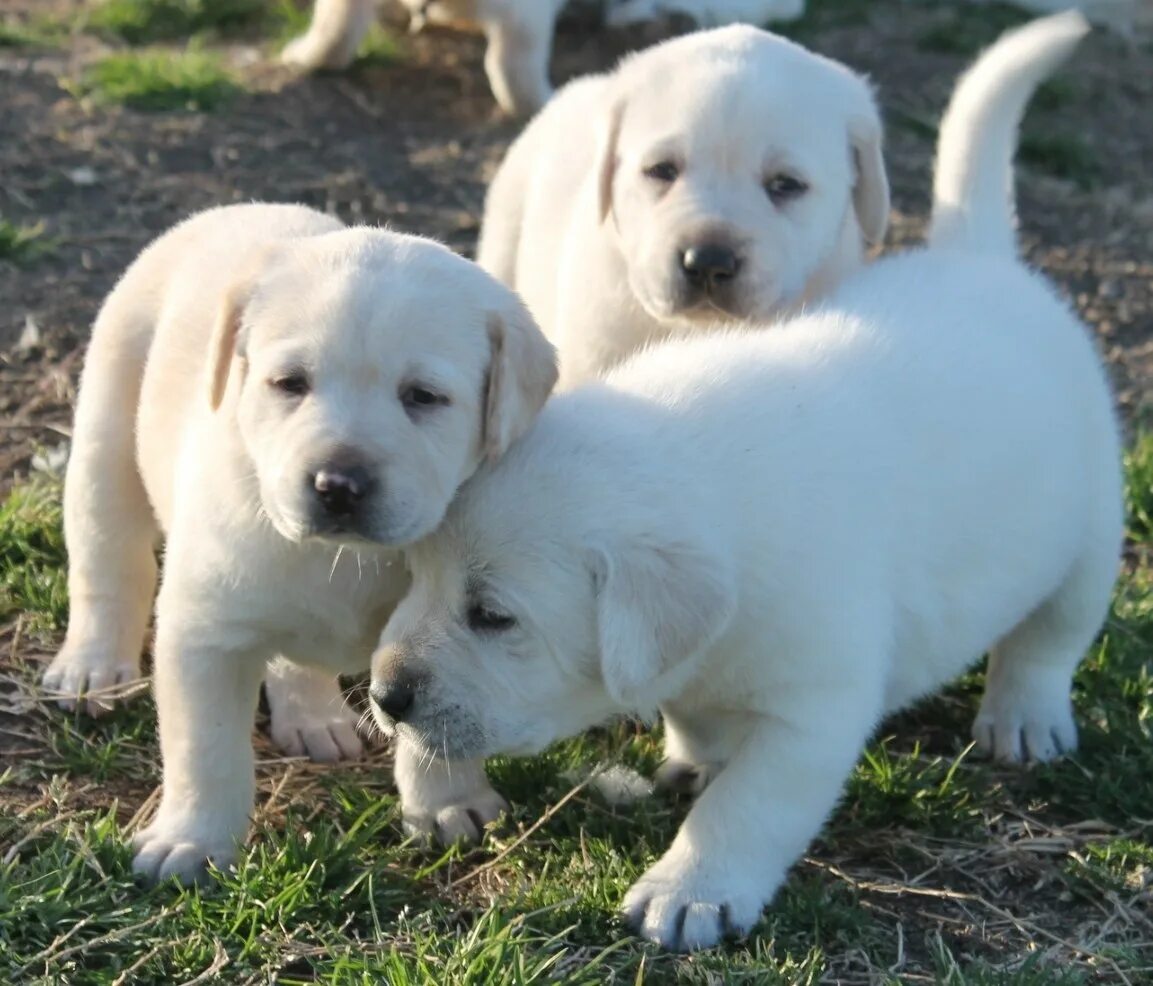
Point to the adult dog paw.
(174, 851)
(464, 821)
(686, 909)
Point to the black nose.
(340, 489)
(393, 697)
(710, 265)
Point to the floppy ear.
(871, 191)
(659, 605)
(522, 372)
(607, 160)
(224, 335)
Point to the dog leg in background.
(517, 58)
(206, 693)
(1027, 711)
(447, 801)
(310, 717)
(756, 817)
(109, 526)
(333, 36)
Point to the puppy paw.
(684, 778)
(1018, 727)
(311, 54)
(685, 909)
(322, 739)
(91, 679)
(164, 851)
(464, 821)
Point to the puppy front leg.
(517, 58)
(752, 822)
(447, 801)
(206, 693)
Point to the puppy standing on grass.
(778, 537)
(722, 176)
(288, 402)
(519, 34)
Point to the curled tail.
(973, 200)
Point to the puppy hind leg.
(333, 36)
(309, 715)
(111, 534)
(517, 58)
(1027, 710)
(697, 747)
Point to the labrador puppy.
(519, 34)
(719, 177)
(288, 402)
(777, 538)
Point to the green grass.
(967, 28)
(33, 32)
(159, 80)
(936, 867)
(141, 22)
(21, 244)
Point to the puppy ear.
(607, 160)
(871, 191)
(522, 373)
(222, 348)
(659, 605)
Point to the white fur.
(181, 430)
(595, 246)
(519, 34)
(778, 537)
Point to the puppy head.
(369, 374)
(540, 607)
(737, 169)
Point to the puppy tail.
(973, 199)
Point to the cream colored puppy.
(288, 402)
(723, 175)
(519, 34)
(777, 537)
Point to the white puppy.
(288, 402)
(724, 174)
(705, 13)
(519, 34)
(778, 537)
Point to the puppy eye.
(415, 397)
(484, 620)
(295, 384)
(664, 171)
(785, 188)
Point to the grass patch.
(967, 29)
(936, 867)
(33, 580)
(1061, 155)
(21, 244)
(160, 80)
(33, 32)
(140, 22)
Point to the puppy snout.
(394, 696)
(342, 487)
(709, 266)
